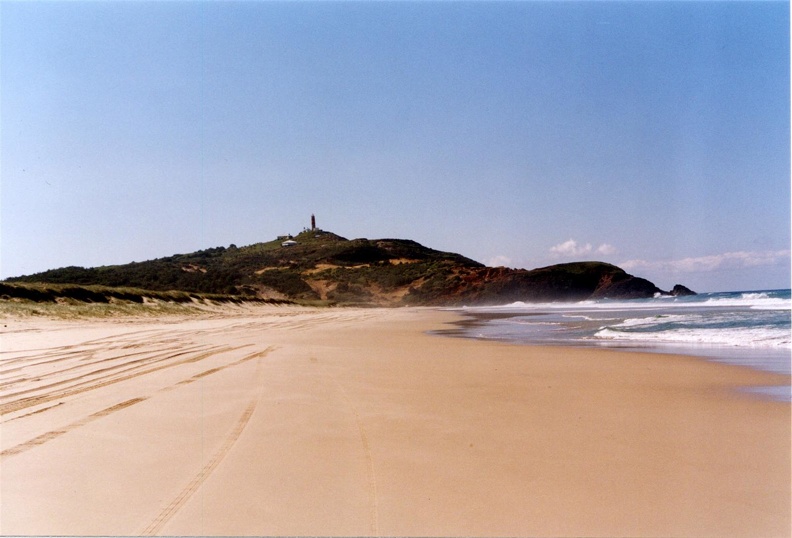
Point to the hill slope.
(322, 266)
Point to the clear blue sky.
(652, 135)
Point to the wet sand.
(293, 421)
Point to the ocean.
(750, 328)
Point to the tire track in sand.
(22, 403)
(50, 435)
(372, 479)
(107, 367)
(54, 434)
(184, 495)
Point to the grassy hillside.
(321, 267)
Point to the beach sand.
(295, 421)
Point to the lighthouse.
(313, 223)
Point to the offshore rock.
(681, 291)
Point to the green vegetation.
(288, 282)
(78, 310)
(324, 268)
(252, 270)
(69, 300)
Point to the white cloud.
(498, 261)
(571, 248)
(606, 249)
(727, 260)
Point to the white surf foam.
(732, 337)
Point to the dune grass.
(79, 310)
(68, 301)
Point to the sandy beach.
(297, 421)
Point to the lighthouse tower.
(313, 223)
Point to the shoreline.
(301, 421)
(753, 358)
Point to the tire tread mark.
(184, 495)
(246, 358)
(50, 435)
(36, 400)
(124, 367)
(36, 412)
(80, 355)
(372, 479)
(43, 438)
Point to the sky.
(651, 135)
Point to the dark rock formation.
(681, 291)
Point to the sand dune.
(294, 421)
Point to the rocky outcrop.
(681, 291)
(629, 287)
(498, 285)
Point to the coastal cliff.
(319, 266)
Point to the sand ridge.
(297, 421)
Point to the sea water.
(750, 328)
